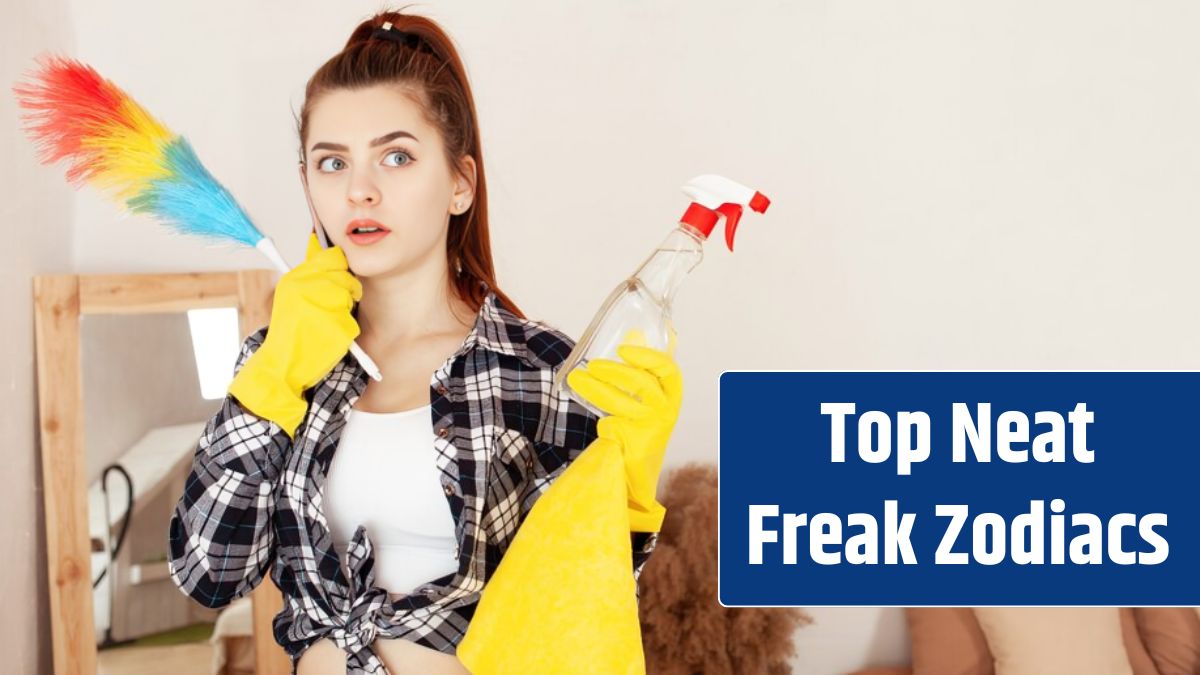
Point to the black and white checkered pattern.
(254, 497)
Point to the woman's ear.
(464, 185)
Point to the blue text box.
(775, 451)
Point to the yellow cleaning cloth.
(563, 598)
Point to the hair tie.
(410, 40)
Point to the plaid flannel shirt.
(254, 497)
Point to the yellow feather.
(129, 157)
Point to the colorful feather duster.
(114, 144)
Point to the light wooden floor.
(186, 659)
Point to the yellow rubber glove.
(563, 599)
(311, 330)
(643, 397)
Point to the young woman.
(382, 508)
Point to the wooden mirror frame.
(59, 301)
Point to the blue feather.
(190, 201)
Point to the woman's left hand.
(642, 397)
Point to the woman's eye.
(401, 153)
(326, 163)
(321, 165)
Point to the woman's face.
(371, 155)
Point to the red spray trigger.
(732, 213)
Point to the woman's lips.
(367, 238)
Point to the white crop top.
(384, 475)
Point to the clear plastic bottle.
(642, 303)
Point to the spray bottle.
(643, 302)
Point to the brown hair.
(430, 68)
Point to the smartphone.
(321, 236)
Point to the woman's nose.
(363, 191)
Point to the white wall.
(35, 207)
(954, 185)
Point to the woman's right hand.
(311, 329)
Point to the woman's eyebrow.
(378, 141)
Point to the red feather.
(69, 102)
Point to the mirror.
(130, 368)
